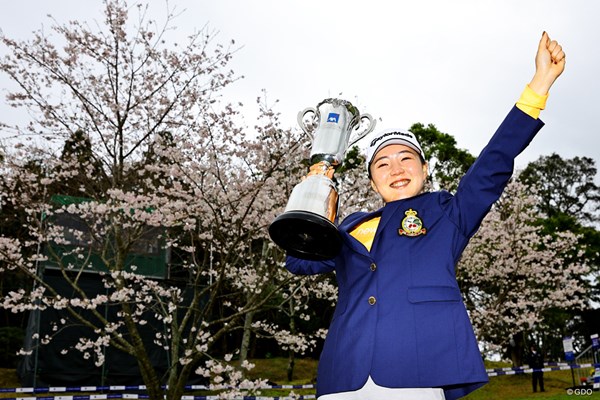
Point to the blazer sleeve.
(306, 267)
(485, 181)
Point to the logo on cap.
(395, 133)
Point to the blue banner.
(568, 347)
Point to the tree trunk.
(291, 354)
(248, 319)
(516, 349)
(291, 363)
(149, 375)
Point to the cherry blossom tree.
(296, 306)
(511, 274)
(132, 127)
(354, 186)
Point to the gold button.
(373, 267)
(372, 300)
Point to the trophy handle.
(301, 116)
(366, 131)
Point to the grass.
(8, 378)
(518, 387)
(275, 369)
(507, 387)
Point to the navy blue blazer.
(400, 317)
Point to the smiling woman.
(397, 172)
(400, 329)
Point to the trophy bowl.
(306, 235)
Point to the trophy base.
(306, 235)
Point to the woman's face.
(397, 173)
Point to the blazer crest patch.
(411, 224)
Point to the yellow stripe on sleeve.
(532, 103)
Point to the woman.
(400, 329)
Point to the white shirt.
(372, 391)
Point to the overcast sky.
(460, 65)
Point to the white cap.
(392, 136)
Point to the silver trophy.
(306, 229)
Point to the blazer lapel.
(388, 213)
